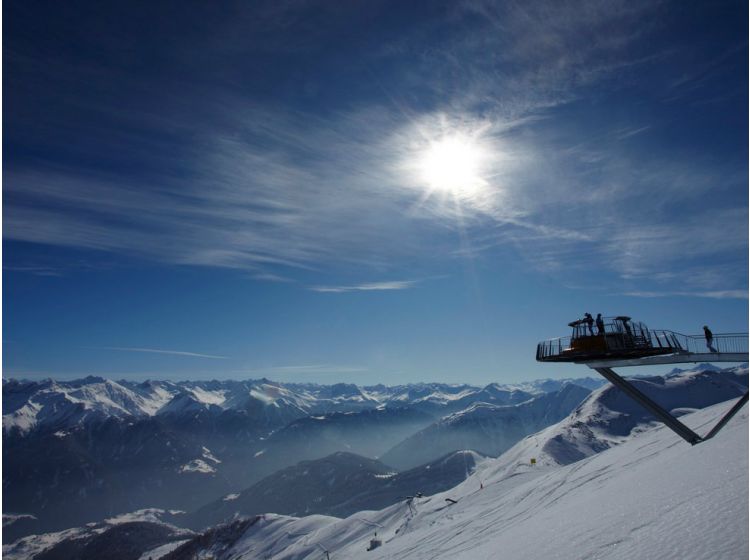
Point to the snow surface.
(209, 456)
(30, 546)
(162, 550)
(150, 515)
(10, 518)
(208, 397)
(197, 466)
(651, 496)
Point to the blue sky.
(365, 191)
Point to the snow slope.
(608, 417)
(652, 496)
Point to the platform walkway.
(727, 347)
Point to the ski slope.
(652, 496)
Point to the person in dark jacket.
(599, 324)
(589, 320)
(709, 338)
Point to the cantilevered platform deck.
(646, 348)
(621, 342)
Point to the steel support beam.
(675, 425)
(738, 405)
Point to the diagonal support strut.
(675, 425)
(734, 410)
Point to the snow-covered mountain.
(78, 451)
(124, 537)
(633, 490)
(340, 397)
(62, 405)
(93, 448)
(339, 485)
(29, 405)
(308, 487)
(609, 417)
(440, 399)
(653, 496)
(488, 428)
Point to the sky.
(371, 192)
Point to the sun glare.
(453, 165)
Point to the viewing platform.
(607, 342)
(623, 342)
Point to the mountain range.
(606, 480)
(79, 451)
(50, 405)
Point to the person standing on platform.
(599, 324)
(589, 320)
(709, 338)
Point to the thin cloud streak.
(717, 294)
(308, 368)
(159, 351)
(371, 287)
(35, 270)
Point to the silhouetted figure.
(599, 324)
(589, 320)
(709, 338)
(409, 502)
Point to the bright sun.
(453, 165)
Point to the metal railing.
(552, 347)
(726, 343)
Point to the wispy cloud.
(35, 270)
(717, 294)
(161, 351)
(625, 133)
(272, 190)
(289, 192)
(369, 287)
(307, 368)
(269, 277)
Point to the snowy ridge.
(66, 404)
(608, 417)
